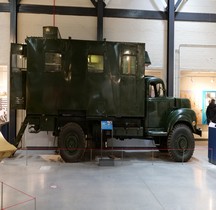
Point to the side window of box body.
(53, 62)
(95, 63)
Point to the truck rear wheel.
(71, 142)
(181, 143)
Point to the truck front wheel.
(181, 143)
(71, 142)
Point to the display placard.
(106, 125)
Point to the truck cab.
(169, 121)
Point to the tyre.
(181, 143)
(71, 142)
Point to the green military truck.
(70, 86)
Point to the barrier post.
(183, 152)
(1, 195)
(152, 151)
(35, 203)
(106, 125)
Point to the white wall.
(139, 31)
(5, 38)
(198, 6)
(194, 33)
(195, 57)
(137, 4)
(78, 27)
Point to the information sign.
(106, 125)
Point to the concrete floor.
(145, 180)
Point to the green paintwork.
(67, 80)
(75, 88)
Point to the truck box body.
(78, 75)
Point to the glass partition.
(3, 94)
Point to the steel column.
(170, 46)
(99, 5)
(100, 11)
(13, 20)
(13, 39)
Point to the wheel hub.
(183, 143)
(71, 143)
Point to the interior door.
(18, 76)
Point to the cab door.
(158, 105)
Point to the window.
(151, 91)
(156, 90)
(95, 63)
(53, 62)
(19, 62)
(129, 64)
(160, 90)
(18, 57)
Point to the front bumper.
(198, 131)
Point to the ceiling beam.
(112, 13)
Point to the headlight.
(194, 123)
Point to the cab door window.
(156, 90)
(159, 90)
(151, 91)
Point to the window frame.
(52, 64)
(131, 71)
